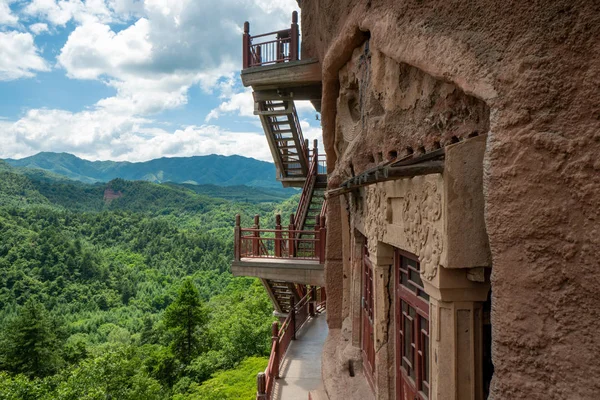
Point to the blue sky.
(132, 79)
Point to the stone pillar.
(334, 268)
(383, 278)
(456, 343)
(356, 289)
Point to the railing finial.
(261, 386)
(274, 330)
(238, 220)
(294, 17)
(246, 27)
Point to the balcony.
(273, 68)
(281, 254)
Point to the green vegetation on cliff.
(130, 298)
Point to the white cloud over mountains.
(19, 57)
(151, 52)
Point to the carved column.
(334, 274)
(383, 278)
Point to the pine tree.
(185, 318)
(30, 342)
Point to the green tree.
(30, 342)
(185, 318)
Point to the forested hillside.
(129, 298)
(212, 169)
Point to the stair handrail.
(281, 338)
(307, 189)
(303, 144)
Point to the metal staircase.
(297, 168)
(281, 294)
(284, 135)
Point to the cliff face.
(527, 74)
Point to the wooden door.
(368, 345)
(412, 329)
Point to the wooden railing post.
(246, 45)
(291, 236)
(261, 386)
(316, 156)
(294, 38)
(277, 358)
(312, 304)
(307, 151)
(256, 236)
(322, 240)
(237, 239)
(258, 55)
(317, 242)
(293, 316)
(278, 235)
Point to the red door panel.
(412, 329)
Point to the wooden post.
(313, 301)
(291, 236)
(277, 358)
(293, 318)
(322, 239)
(316, 156)
(256, 237)
(317, 242)
(307, 152)
(295, 38)
(246, 45)
(237, 239)
(258, 60)
(278, 235)
(261, 386)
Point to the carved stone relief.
(420, 213)
(375, 220)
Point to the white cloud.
(177, 44)
(240, 103)
(38, 28)
(18, 56)
(59, 12)
(166, 47)
(6, 15)
(93, 49)
(100, 135)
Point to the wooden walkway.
(301, 368)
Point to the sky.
(132, 79)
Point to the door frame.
(418, 301)
(367, 318)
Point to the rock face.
(110, 195)
(403, 77)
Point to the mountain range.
(197, 170)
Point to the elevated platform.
(302, 75)
(300, 370)
(305, 272)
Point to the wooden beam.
(283, 75)
(311, 93)
(387, 173)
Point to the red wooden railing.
(279, 243)
(273, 47)
(309, 187)
(281, 339)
